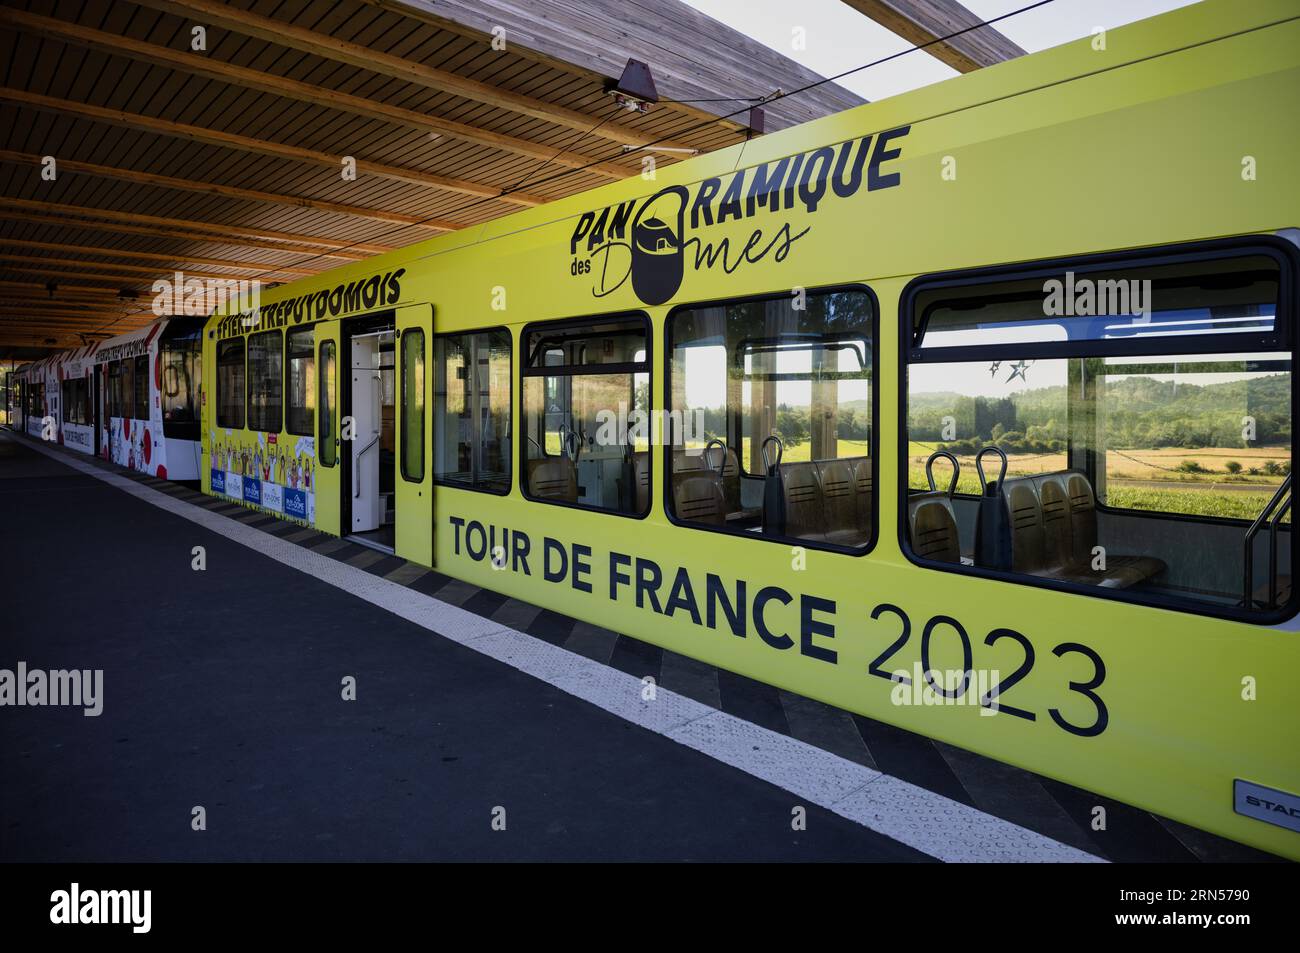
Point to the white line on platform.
(928, 822)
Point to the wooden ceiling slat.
(168, 259)
(166, 127)
(193, 185)
(367, 58)
(284, 86)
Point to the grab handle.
(722, 461)
(929, 470)
(780, 451)
(979, 467)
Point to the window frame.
(510, 468)
(401, 362)
(287, 364)
(1284, 253)
(631, 369)
(248, 383)
(873, 445)
(217, 389)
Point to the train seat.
(802, 489)
(1053, 519)
(933, 527)
(697, 497)
(553, 478)
(840, 505)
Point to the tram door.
(413, 479)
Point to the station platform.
(222, 689)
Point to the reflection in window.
(230, 384)
(413, 405)
(471, 410)
(265, 380)
(141, 402)
(1105, 424)
(585, 388)
(777, 397)
(301, 404)
(325, 441)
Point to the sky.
(838, 38)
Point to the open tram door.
(413, 480)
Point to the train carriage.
(847, 409)
(968, 411)
(149, 389)
(76, 382)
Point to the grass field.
(1143, 479)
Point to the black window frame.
(510, 467)
(227, 344)
(248, 383)
(81, 384)
(1284, 253)
(873, 445)
(633, 368)
(286, 360)
(182, 335)
(401, 361)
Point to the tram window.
(471, 410)
(114, 372)
(182, 362)
(771, 403)
(76, 401)
(1143, 432)
(413, 405)
(140, 404)
(265, 378)
(586, 408)
(328, 450)
(35, 399)
(301, 389)
(230, 384)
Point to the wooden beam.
(202, 65)
(924, 21)
(286, 34)
(254, 266)
(229, 140)
(78, 270)
(147, 271)
(228, 191)
(693, 56)
(155, 231)
(40, 286)
(138, 218)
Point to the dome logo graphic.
(657, 246)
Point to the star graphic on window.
(993, 368)
(1018, 370)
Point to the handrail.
(357, 470)
(1248, 595)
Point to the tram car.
(968, 410)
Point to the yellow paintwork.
(1068, 152)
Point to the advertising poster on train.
(269, 474)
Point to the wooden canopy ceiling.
(226, 161)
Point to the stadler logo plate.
(1266, 804)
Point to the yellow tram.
(928, 410)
